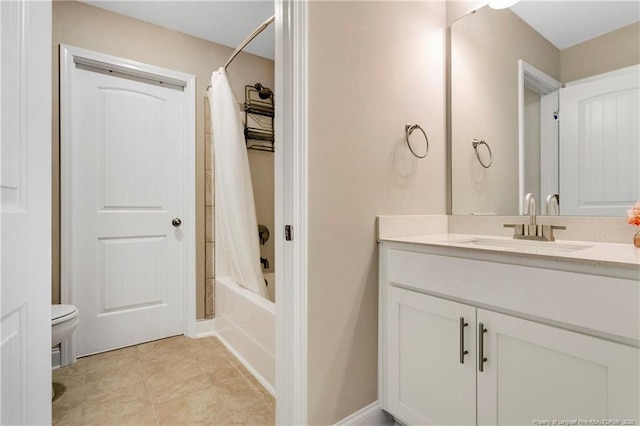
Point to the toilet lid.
(60, 313)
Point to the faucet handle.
(547, 231)
(518, 228)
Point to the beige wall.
(457, 9)
(484, 105)
(80, 25)
(617, 49)
(375, 67)
(262, 179)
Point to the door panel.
(127, 144)
(132, 272)
(427, 383)
(25, 212)
(132, 165)
(600, 145)
(538, 372)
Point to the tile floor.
(174, 381)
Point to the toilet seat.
(61, 313)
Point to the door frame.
(291, 208)
(69, 56)
(536, 80)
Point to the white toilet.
(64, 319)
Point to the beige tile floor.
(174, 381)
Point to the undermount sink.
(526, 246)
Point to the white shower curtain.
(235, 210)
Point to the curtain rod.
(247, 40)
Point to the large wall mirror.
(544, 100)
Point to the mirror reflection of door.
(600, 149)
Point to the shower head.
(263, 92)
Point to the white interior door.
(126, 151)
(25, 190)
(600, 144)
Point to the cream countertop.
(585, 252)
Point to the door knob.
(176, 222)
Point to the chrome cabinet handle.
(481, 358)
(462, 351)
(176, 222)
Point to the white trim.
(549, 148)
(536, 80)
(207, 329)
(264, 382)
(371, 415)
(291, 208)
(382, 315)
(204, 328)
(69, 55)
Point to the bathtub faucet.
(265, 262)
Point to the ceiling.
(566, 23)
(221, 21)
(228, 22)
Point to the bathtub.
(245, 323)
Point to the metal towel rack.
(408, 129)
(478, 142)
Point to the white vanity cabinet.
(433, 310)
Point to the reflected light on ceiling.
(501, 4)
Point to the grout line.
(84, 390)
(146, 386)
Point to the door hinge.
(288, 232)
(556, 115)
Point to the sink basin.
(524, 246)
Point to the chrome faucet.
(530, 208)
(553, 205)
(533, 231)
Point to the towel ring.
(475, 144)
(409, 128)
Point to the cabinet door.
(426, 383)
(538, 372)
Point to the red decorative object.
(633, 218)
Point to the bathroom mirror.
(505, 67)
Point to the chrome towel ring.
(409, 128)
(475, 144)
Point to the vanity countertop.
(576, 253)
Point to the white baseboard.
(371, 415)
(56, 360)
(265, 383)
(205, 328)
